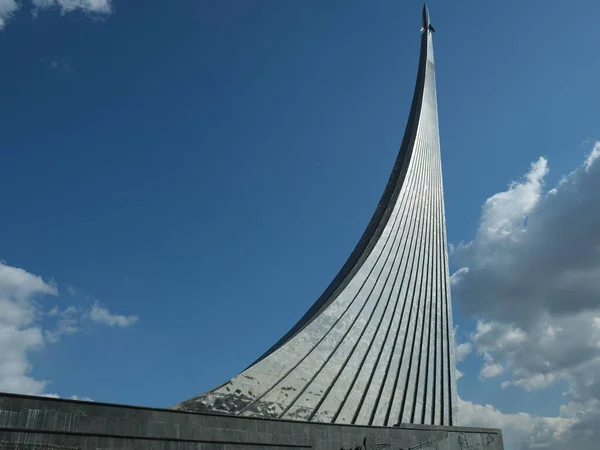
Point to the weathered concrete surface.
(36, 423)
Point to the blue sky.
(206, 167)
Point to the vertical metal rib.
(377, 347)
(421, 360)
(369, 413)
(385, 414)
(432, 416)
(409, 372)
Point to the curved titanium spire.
(377, 348)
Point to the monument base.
(40, 423)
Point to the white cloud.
(103, 315)
(88, 6)
(7, 9)
(15, 344)
(595, 154)
(18, 336)
(18, 291)
(533, 251)
(83, 399)
(462, 350)
(490, 370)
(28, 323)
(92, 7)
(520, 431)
(532, 276)
(456, 276)
(72, 397)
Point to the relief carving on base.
(459, 442)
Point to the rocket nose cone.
(425, 15)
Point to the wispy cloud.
(96, 8)
(58, 64)
(104, 316)
(593, 156)
(88, 6)
(71, 290)
(68, 323)
(72, 397)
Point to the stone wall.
(39, 423)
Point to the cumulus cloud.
(531, 275)
(28, 322)
(103, 315)
(520, 431)
(535, 252)
(19, 311)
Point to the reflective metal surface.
(377, 347)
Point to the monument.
(377, 347)
(370, 365)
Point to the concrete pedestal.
(39, 423)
